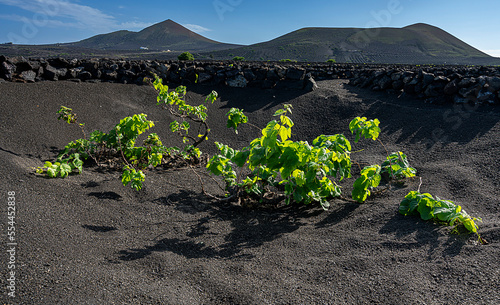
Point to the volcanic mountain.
(166, 35)
(415, 44)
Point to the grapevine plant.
(119, 146)
(439, 210)
(303, 172)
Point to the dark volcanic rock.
(434, 90)
(7, 70)
(384, 83)
(494, 84)
(28, 76)
(50, 73)
(25, 65)
(398, 85)
(204, 77)
(427, 78)
(84, 75)
(295, 73)
(486, 97)
(110, 75)
(310, 84)
(451, 88)
(238, 82)
(268, 84)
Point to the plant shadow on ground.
(426, 234)
(101, 229)
(106, 195)
(249, 99)
(249, 227)
(432, 123)
(337, 213)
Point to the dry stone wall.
(441, 84)
(434, 84)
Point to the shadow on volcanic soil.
(250, 227)
(249, 99)
(429, 123)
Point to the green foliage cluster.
(238, 58)
(398, 167)
(120, 145)
(440, 210)
(185, 56)
(331, 60)
(304, 172)
(176, 105)
(235, 117)
(365, 128)
(287, 60)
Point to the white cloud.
(57, 13)
(134, 25)
(495, 53)
(196, 28)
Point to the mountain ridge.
(161, 36)
(418, 43)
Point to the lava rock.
(204, 77)
(84, 75)
(237, 82)
(451, 88)
(50, 73)
(295, 73)
(494, 84)
(7, 70)
(427, 78)
(28, 76)
(384, 83)
(310, 84)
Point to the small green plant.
(185, 56)
(238, 58)
(439, 210)
(118, 144)
(397, 166)
(174, 102)
(235, 117)
(370, 179)
(365, 128)
(287, 60)
(331, 60)
(119, 148)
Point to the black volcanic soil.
(87, 239)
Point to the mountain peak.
(419, 24)
(165, 35)
(168, 26)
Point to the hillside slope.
(166, 35)
(414, 44)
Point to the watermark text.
(11, 244)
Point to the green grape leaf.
(369, 129)
(64, 170)
(241, 157)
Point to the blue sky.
(243, 21)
